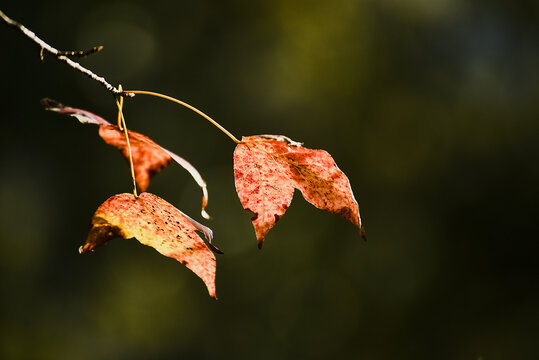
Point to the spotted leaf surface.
(156, 223)
(268, 168)
(148, 157)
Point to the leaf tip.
(205, 215)
(49, 104)
(362, 233)
(215, 249)
(211, 288)
(83, 249)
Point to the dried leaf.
(195, 174)
(83, 116)
(148, 157)
(268, 168)
(156, 223)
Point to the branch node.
(127, 94)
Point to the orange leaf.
(156, 223)
(148, 157)
(267, 169)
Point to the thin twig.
(80, 54)
(62, 55)
(121, 106)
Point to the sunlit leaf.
(268, 168)
(156, 223)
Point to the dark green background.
(430, 107)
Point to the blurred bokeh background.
(430, 107)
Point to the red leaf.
(148, 157)
(156, 223)
(268, 168)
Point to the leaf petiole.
(121, 105)
(121, 115)
(170, 98)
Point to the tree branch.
(64, 55)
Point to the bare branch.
(64, 55)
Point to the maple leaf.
(267, 169)
(148, 157)
(156, 223)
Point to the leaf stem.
(121, 105)
(170, 98)
(128, 147)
